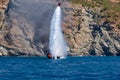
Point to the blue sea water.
(72, 68)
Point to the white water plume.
(57, 43)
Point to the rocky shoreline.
(85, 30)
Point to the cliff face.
(3, 9)
(88, 32)
(24, 28)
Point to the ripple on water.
(72, 68)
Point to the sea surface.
(71, 68)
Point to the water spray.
(57, 43)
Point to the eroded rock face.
(24, 29)
(87, 34)
(3, 8)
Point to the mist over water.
(57, 43)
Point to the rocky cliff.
(21, 29)
(3, 8)
(24, 28)
(89, 31)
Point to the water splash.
(57, 43)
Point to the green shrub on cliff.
(99, 3)
(110, 10)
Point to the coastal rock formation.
(17, 32)
(3, 51)
(87, 33)
(3, 9)
(24, 28)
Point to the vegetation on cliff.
(109, 10)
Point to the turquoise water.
(72, 68)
